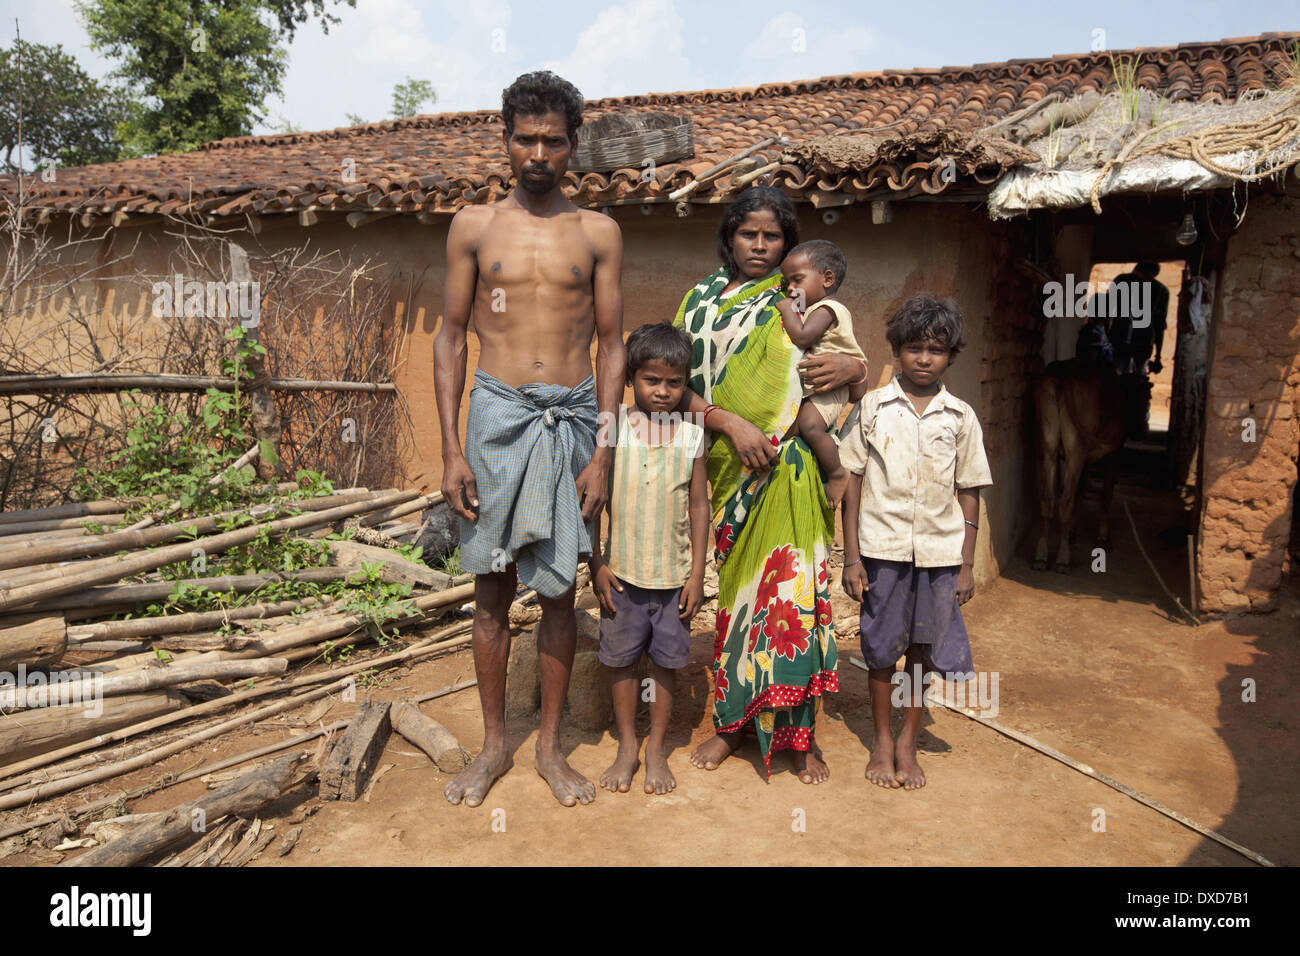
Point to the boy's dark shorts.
(645, 620)
(906, 605)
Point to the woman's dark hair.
(924, 317)
(661, 341)
(533, 94)
(754, 199)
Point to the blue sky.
(470, 50)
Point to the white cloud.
(809, 49)
(633, 47)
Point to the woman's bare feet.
(658, 778)
(909, 774)
(472, 784)
(809, 765)
(618, 778)
(712, 752)
(880, 768)
(569, 786)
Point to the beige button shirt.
(912, 467)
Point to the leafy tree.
(67, 115)
(409, 95)
(204, 69)
(355, 120)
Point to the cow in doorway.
(1084, 412)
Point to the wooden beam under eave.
(119, 216)
(308, 216)
(358, 219)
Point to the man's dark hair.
(824, 255)
(539, 92)
(1151, 269)
(661, 341)
(924, 317)
(754, 199)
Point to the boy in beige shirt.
(910, 520)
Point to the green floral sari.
(774, 647)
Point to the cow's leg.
(1049, 437)
(1109, 464)
(1069, 498)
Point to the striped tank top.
(649, 503)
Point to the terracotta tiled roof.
(437, 163)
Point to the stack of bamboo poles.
(78, 689)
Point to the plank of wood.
(352, 759)
(245, 795)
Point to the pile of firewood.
(85, 694)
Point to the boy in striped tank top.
(650, 581)
(816, 322)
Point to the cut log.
(93, 688)
(353, 758)
(430, 736)
(32, 640)
(245, 795)
(353, 554)
(26, 733)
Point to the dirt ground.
(1092, 664)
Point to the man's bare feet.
(880, 768)
(810, 767)
(909, 774)
(472, 784)
(658, 778)
(618, 778)
(569, 786)
(712, 752)
(837, 482)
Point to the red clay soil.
(1094, 665)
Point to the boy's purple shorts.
(906, 605)
(645, 620)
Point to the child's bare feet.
(618, 778)
(837, 482)
(880, 768)
(658, 778)
(809, 765)
(712, 752)
(908, 773)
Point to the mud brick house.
(891, 165)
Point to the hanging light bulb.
(1187, 233)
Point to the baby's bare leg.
(812, 428)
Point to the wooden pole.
(102, 382)
(133, 682)
(215, 544)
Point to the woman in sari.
(774, 647)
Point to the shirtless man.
(540, 277)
